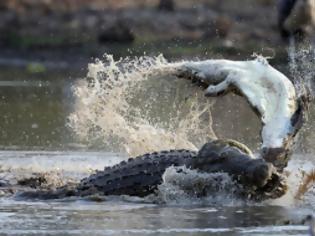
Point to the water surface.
(35, 138)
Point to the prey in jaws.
(269, 92)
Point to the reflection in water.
(119, 218)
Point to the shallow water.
(120, 218)
(129, 215)
(35, 111)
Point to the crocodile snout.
(262, 173)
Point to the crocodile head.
(258, 180)
(265, 182)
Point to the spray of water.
(302, 68)
(185, 186)
(125, 107)
(131, 105)
(302, 71)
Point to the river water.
(53, 123)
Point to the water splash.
(123, 106)
(130, 105)
(182, 186)
(296, 171)
(302, 68)
(302, 71)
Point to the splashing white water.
(185, 186)
(302, 72)
(302, 68)
(296, 170)
(117, 106)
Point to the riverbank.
(72, 38)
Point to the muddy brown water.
(35, 137)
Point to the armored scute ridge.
(142, 175)
(138, 176)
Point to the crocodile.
(270, 93)
(141, 176)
